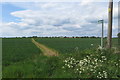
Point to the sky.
(55, 18)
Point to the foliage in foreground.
(85, 64)
(94, 65)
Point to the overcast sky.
(55, 18)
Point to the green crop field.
(16, 50)
(22, 59)
(71, 45)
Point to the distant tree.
(118, 38)
(29, 37)
(34, 36)
(97, 37)
(92, 37)
(118, 35)
(23, 37)
(73, 37)
(46, 37)
(65, 37)
(85, 37)
(77, 37)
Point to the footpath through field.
(46, 51)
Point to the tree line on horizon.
(57, 37)
(118, 36)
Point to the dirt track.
(46, 51)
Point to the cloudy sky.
(55, 18)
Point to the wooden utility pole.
(110, 15)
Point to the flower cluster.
(102, 74)
(89, 63)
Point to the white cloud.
(56, 19)
(86, 2)
(55, 0)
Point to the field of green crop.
(17, 51)
(72, 45)
(69, 45)
(22, 59)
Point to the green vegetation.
(71, 45)
(84, 62)
(16, 50)
(93, 64)
(15, 53)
